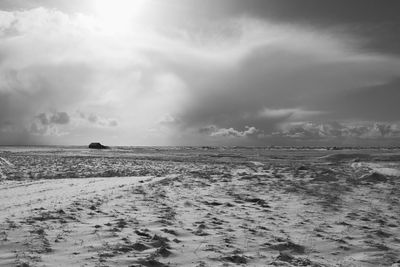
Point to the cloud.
(94, 120)
(60, 118)
(168, 119)
(288, 113)
(377, 102)
(43, 119)
(362, 130)
(46, 130)
(54, 118)
(60, 74)
(283, 73)
(214, 131)
(230, 73)
(50, 124)
(113, 123)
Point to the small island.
(97, 146)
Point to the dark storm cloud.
(276, 84)
(376, 23)
(319, 11)
(377, 103)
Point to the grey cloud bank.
(246, 77)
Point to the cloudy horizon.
(185, 72)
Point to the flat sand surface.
(199, 207)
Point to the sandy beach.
(199, 207)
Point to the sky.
(190, 72)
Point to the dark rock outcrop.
(97, 146)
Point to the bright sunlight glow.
(117, 15)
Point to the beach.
(199, 206)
